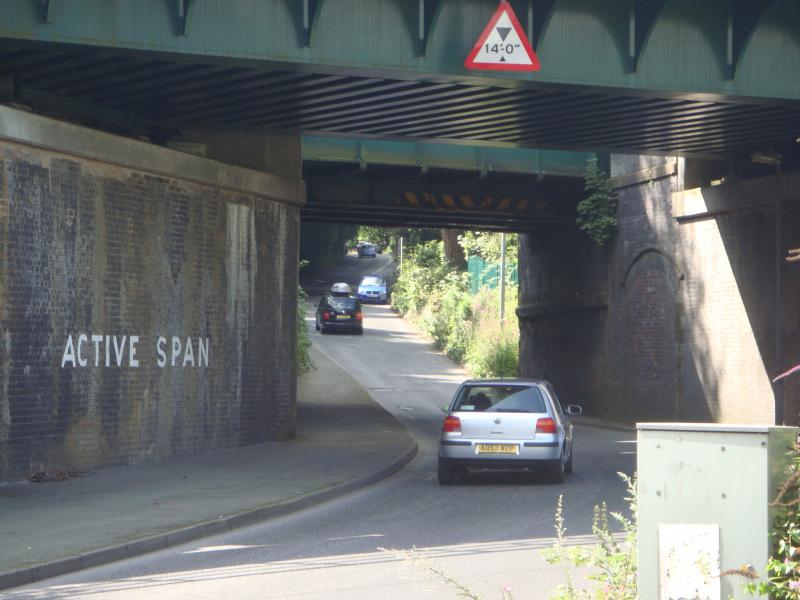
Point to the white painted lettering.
(96, 339)
(179, 352)
(202, 358)
(82, 339)
(69, 353)
(132, 360)
(188, 357)
(176, 348)
(162, 354)
(119, 349)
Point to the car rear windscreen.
(497, 398)
(348, 303)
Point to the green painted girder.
(444, 156)
(748, 48)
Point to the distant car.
(373, 288)
(367, 250)
(506, 424)
(339, 310)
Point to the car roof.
(508, 381)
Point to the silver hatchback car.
(506, 424)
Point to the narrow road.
(486, 532)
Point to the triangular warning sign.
(503, 45)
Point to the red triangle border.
(470, 63)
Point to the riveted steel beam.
(310, 8)
(428, 10)
(395, 154)
(181, 12)
(743, 18)
(43, 7)
(642, 16)
(538, 17)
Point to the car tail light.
(452, 425)
(359, 316)
(326, 315)
(545, 426)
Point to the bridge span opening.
(158, 162)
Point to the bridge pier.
(673, 321)
(147, 296)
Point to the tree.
(453, 251)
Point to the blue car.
(373, 288)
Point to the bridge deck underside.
(145, 91)
(440, 198)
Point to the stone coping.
(50, 134)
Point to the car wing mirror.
(574, 410)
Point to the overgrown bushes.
(303, 338)
(436, 298)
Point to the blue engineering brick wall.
(674, 321)
(88, 248)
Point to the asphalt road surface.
(486, 532)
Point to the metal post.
(400, 247)
(502, 277)
(778, 385)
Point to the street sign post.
(503, 45)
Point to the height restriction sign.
(503, 45)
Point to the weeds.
(783, 567)
(415, 558)
(615, 562)
(303, 338)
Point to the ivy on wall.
(597, 212)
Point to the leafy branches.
(783, 567)
(436, 298)
(597, 212)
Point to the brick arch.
(650, 337)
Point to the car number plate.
(343, 317)
(498, 448)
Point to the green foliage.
(446, 314)
(423, 268)
(487, 246)
(381, 236)
(494, 351)
(303, 338)
(597, 213)
(387, 236)
(436, 298)
(783, 567)
(615, 563)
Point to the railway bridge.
(157, 159)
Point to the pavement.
(345, 441)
